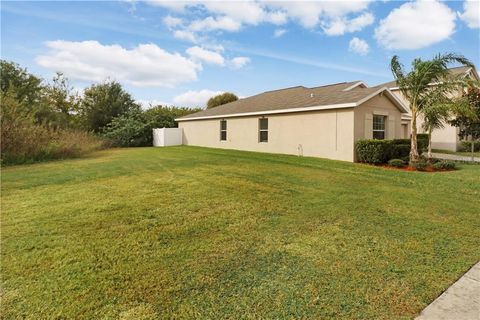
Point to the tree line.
(43, 120)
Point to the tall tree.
(103, 102)
(220, 99)
(61, 103)
(417, 84)
(27, 87)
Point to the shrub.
(420, 165)
(422, 142)
(373, 151)
(400, 151)
(24, 141)
(399, 163)
(444, 165)
(467, 146)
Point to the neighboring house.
(446, 138)
(320, 122)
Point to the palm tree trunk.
(430, 144)
(413, 139)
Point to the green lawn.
(186, 232)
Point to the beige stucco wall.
(325, 134)
(445, 138)
(379, 105)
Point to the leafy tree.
(27, 87)
(134, 129)
(61, 103)
(416, 86)
(103, 102)
(128, 130)
(468, 120)
(220, 99)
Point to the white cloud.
(239, 62)
(172, 22)
(416, 25)
(195, 98)
(211, 23)
(471, 13)
(145, 65)
(185, 35)
(313, 13)
(335, 17)
(341, 26)
(279, 32)
(200, 54)
(358, 46)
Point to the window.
(263, 130)
(379, 127)
(223, 130)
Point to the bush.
(134, 129)
(380, 151)
(24, 141)
(400, 151)
(373, 151)
(444, 165)
(399, 163)
(467, 146)
(420, 165)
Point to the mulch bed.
(408, 168)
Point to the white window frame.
(260, 130)
(379, 130)
(223, 130)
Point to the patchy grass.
(186, 232)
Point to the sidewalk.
(454, 157)
(460, 302)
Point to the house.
(322, 121)
(447, 137)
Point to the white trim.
(394, 99)
(359, 83)
(259, 113)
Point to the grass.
(187, 232)
(458, 153)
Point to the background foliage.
(43, 120)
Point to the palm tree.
(416, 85)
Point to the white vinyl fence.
(167, 137)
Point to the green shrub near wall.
(373, 151)
(467, 146)
(381, 151)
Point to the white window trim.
(221, 130)
(262, 130)
(385, 120)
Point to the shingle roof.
(291, 99)
(454, 71)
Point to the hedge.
(467, 146)
(380, 151)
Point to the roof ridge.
(333, 84)
(282, 89)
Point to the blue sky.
(184, 52)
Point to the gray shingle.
(290, 98)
